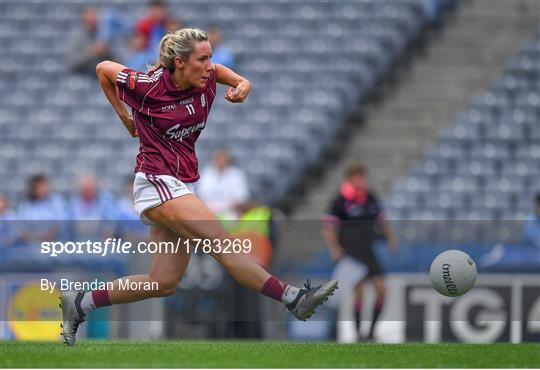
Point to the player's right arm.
(330, 235)
(329, 231)
(107, 73)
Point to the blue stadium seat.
(301, 107)
(486, 166)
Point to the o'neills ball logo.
(450, 285)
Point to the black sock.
(376, 313)
(358, 314)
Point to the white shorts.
(349, 272)
(150, 191)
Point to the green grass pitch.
(250, 354)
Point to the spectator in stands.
(256, 224)
(349, 231)
(173, 24)
(41, 205)
(85, 48)
(141, 52)
(221, 53)
(8, 232)
(154, 25)
(92, 210)
(5, 212)
(223, 186)
(531, 231)
(138, 57)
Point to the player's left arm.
(390, 236)
(386, 229)
(239, 86)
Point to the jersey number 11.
(190, 109)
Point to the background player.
(170, 106)
(350, 230)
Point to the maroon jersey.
(168, 121)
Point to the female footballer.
(169, 108)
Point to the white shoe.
(72, 315)
(310, 298)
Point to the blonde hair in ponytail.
(180, 43)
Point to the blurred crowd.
(106, 33)
(89, 212)
(46, 215)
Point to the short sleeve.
(133, 87)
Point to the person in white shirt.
(223, 186)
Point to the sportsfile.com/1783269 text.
(118, 246)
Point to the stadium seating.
(309, 64)
(486, 165)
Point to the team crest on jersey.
(203, 100)
(132, 80)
